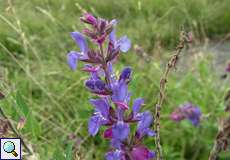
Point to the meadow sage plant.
(112, 107)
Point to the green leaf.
(22, 105)
(69, 154)
(33, 126)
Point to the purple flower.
(143, 126)
(120, 131)
(100, 116)
(137, 103)
(142, 153)
(97, 86)
(126, 75)
(124, 44)
(74, 56)
(120, 95)
(94, 124)
(227, 69)
(187, 111)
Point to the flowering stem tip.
(112, 107)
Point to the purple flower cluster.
(112, 107)
(187, 111)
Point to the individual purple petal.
(113, 22)
(145, 121)
(137, 103)
(101, 105)
(80, 40)
(111, 73)
(94, 125)
(72, 58)
(97, 86)
(126, 74)
(152, 154)
(124, 43)
(141, 153)
(150, 132)
(112, 36)
(90, 84)
(120, 131)
(100, 85)
(120, 92)
(117, 155)
(116, 143)
(194, 116)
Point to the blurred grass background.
(34, 40)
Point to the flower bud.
(90, 19)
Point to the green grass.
(40, 86)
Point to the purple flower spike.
(111, 108)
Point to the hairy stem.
(15, 131)
(215, 151)
(107, 77)
(170, 65)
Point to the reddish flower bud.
(90, 19)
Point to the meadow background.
(34, 41)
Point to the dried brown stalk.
(223, 135)
(184, 38)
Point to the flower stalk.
(184, 38)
